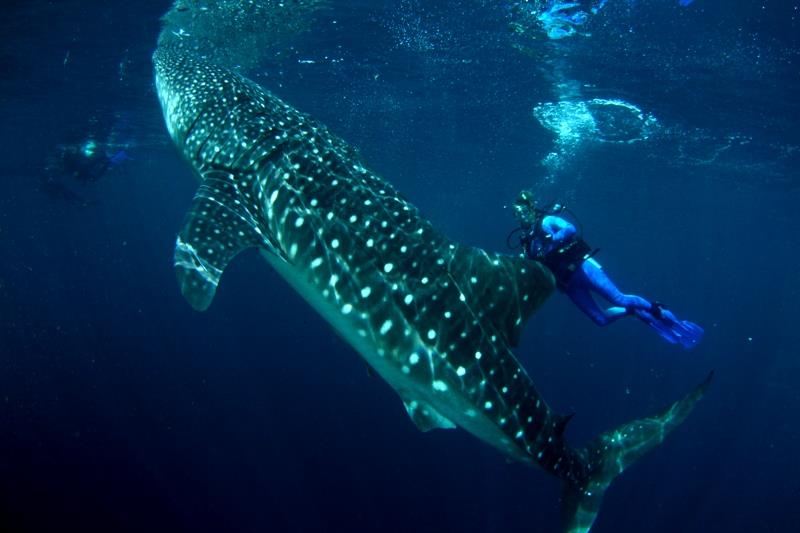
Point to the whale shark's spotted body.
(434, 318)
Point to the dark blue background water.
(123, 409)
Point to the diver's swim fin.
(672, 330)
(690, 333)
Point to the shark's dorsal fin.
(426, 417)
(217, 227)
(504, 289)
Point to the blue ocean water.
(669, 128)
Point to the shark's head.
(186, 89)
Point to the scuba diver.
(554, 241)
(86, 162)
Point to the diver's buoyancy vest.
(564, 260)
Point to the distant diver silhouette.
(86, 161)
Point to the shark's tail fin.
(613, 451)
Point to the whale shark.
(435, 319)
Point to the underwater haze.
(669, 128)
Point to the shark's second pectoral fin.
(507, 290)
(426, 417)
(217, 227)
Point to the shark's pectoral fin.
(217, 227)
(426, 417)
(507, 290)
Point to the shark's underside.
(434, 318)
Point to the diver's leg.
(583, 299)
(602, 284)
(662, 320)
(579, 291)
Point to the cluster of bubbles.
(580, 123)
(413, 32)
(236, 33)
(731, 155)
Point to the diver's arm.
(559, 229)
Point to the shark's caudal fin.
(613, 451)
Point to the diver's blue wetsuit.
(554, 242)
